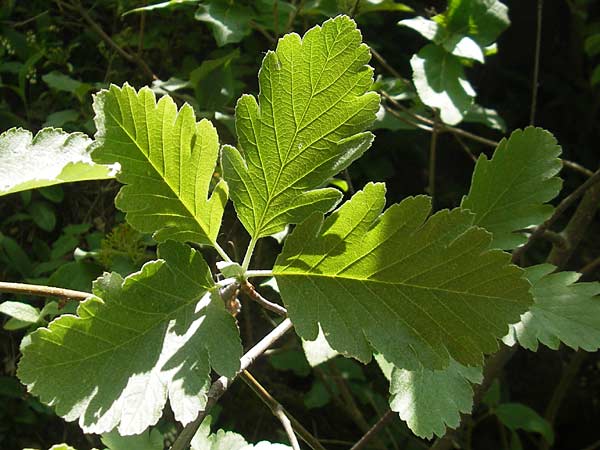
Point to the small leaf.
(440, 82)
(483, 20)
(229, 22)
(486, 116)
(516, 416)
(51, 157)
(134, 344)
(167, 161)
(464, 47)
(431, 400)
(307, 126)
(510, 191)
(417, 291)
(20, 311)
(429, 29)
(148, 440)
(563, 311)
(43, 215)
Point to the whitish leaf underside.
(563, 311)
(416, 290)
(134, 344)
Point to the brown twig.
(374, 430)
(560, 209)
(568, 375)
(275, 407)
(577, 168)
(577, 227)
(43, 291)
(536, 63)
(249, 290)
(218, 388)
(100, 32)
(432, 155)
(386, 65)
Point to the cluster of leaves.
(427, 294)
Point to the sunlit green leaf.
(229, 22)
(20, 311)
(148, 440)
(167, 159)
(51, 157)
(306, 127)
(135, 343)
(509, 192)
(440, 81)
(563, 311)
(419, 291)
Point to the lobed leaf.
(563, 311)
(51, 157)
(431, 400)
(167, 160)
(138, 341)
(419, 291)
(510, 191)
(308, 125)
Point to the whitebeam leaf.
(416, 290)
(134, 344)
(510, 191)
(563, 311)
(430, 400)
(167, 159)
(51, 157)
(308, 125)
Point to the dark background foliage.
(42, 41)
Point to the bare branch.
(43, 291)
(374, 430)
(221, 385)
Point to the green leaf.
(416, 290)
(167, 161)
(51, 157)
(227, 440)
(440, 82)
(229, 22)
(318, 351)
(306, 127)
(134, 344)
(563, 311)
(516, 416)
(59, 118)
(43, 215)
(148, 440)
(483, 20)
(429, 29)
(430, 400)
(510, 191)
(486, 116)
(20, 311)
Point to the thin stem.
(275, 406)
(43, 291)
(248, 289)
(560, 209)
(354, 9)
(349, 181)
(577, 167)
(405, 120)
(536, 63)
(259, 273)
(248, 255)
(432, 156)
(276, 19)
(100, 32)
(141, 33)
(374, 430)
(222, 253)
(218, 388)
(287, 426)
(561, 389)
(386, 65)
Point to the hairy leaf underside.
(138, 341)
